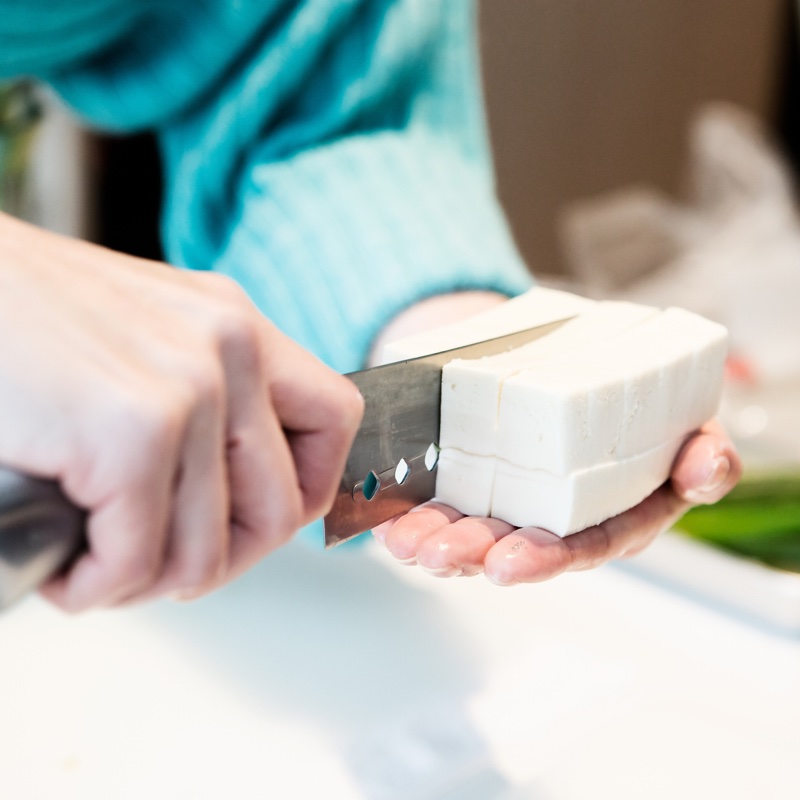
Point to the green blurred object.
(759, 519)
(20, 113)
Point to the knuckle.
(202, 384)
(224, 288)
(149, 420)
(230, 322)
(236, 333)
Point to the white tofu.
(660, 380)
(561, 418)
(697, 391)
(565, 504)
(538, 306)
(544, 420)
(465, 481)
(674, 371)
(471, 387)
(576, 427)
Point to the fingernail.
(407, 562)
(471, 572)
(379, 534)
(497, 582)
(717, 474)
(443, 572)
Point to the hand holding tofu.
(575, 434)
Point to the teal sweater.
(329, 155)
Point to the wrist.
(431, 313)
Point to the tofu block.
(578, 426)
(471, 387)
(538, 306)
(565, 504)
(466, 481)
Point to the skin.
(446, 544)
(196, 435)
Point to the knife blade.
(391, 466)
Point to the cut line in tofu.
(466, 481)
(565, 504)
(484, 486)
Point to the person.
(327, 187)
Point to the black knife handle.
(40, 531)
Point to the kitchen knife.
(392, 464)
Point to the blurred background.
(645, 149)
(586, 97)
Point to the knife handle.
(40, 531)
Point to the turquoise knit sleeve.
(329, 155)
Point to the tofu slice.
(659, 381)
(537, 306)
(471, 388)
(565, 504)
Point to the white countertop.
(342, 675)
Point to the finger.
(265, 503)
(707, 467)
(460, 549)
(320, 412)
(197, 551)
(126, 531)
(380, 531)
(406, 535)
(531, 555)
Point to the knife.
(392, 463)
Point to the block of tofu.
(565, 504)
(576, 427)
(466, 481)
(660, 381)
(471, 387)
(538, 306)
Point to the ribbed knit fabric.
(329, 155)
